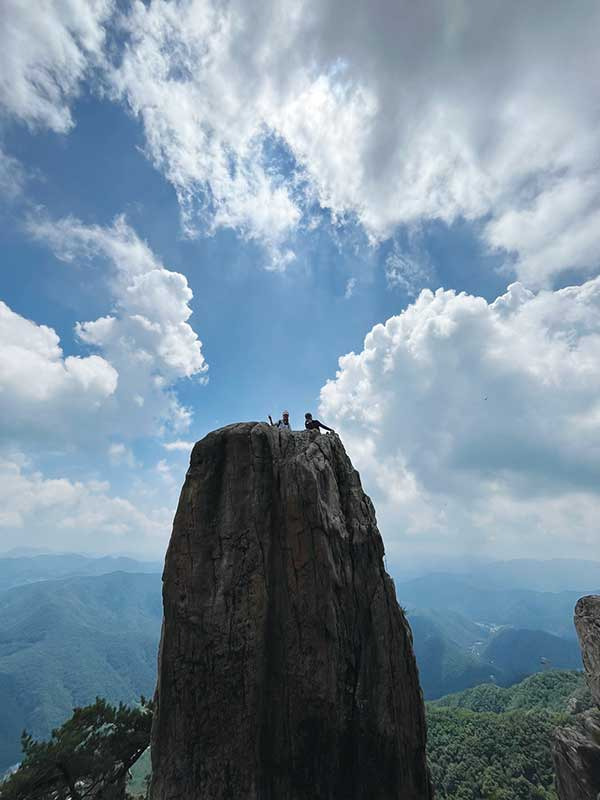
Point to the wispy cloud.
(179, 445)
(257, 114)
(406, 270)
(350, 287)
(45, 51)
(82, 515)
(408, 124)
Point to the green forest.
(490, 743)
(485, 743)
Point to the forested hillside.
(490, 743)
(62, 643)
(454, 653)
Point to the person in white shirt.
(283, 423)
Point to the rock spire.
(286, 667)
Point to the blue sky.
(306, 183)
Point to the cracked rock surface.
(587, 624)
(286, 668)
(576, 748)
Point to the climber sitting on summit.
(283, 423)
(313, 424)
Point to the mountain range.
(63, 642)
(20, 570)
(74, 627)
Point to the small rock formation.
(576, 749)
(286, 668)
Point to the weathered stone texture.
(587, 624)
(286, 667)
(576, 748)
(576, 753)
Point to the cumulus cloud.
(45, 49)
(40, 389)
(477, 424)
(392, 114)
(74, 515)
(144, 346)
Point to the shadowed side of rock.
(286, 668)
(576, 749)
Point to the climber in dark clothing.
(313, 424)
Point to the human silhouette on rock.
(283, 423)
(314, 425)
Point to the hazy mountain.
(20, 570)
(554, 575)
(517, 653)
(446, 653)
(549, 611)
(454, 653)
(64, 642)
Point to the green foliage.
(445, 647)
(551, 691)
(89, 756)
(487, 756)
(64, 642)
(492, 743)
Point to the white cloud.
(179, 445)
(12, 176)
(207, 138)
(395, 116)
(40, 389)
(146, 344)
(407, 269)
(477, 425)
(45, 49)
(350, 287)
(255, 112)
(74, 515)
(119, 453)
(560, 227)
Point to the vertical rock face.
(286, 666)
(587, 624)
(576, 748)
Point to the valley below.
(74, 628)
